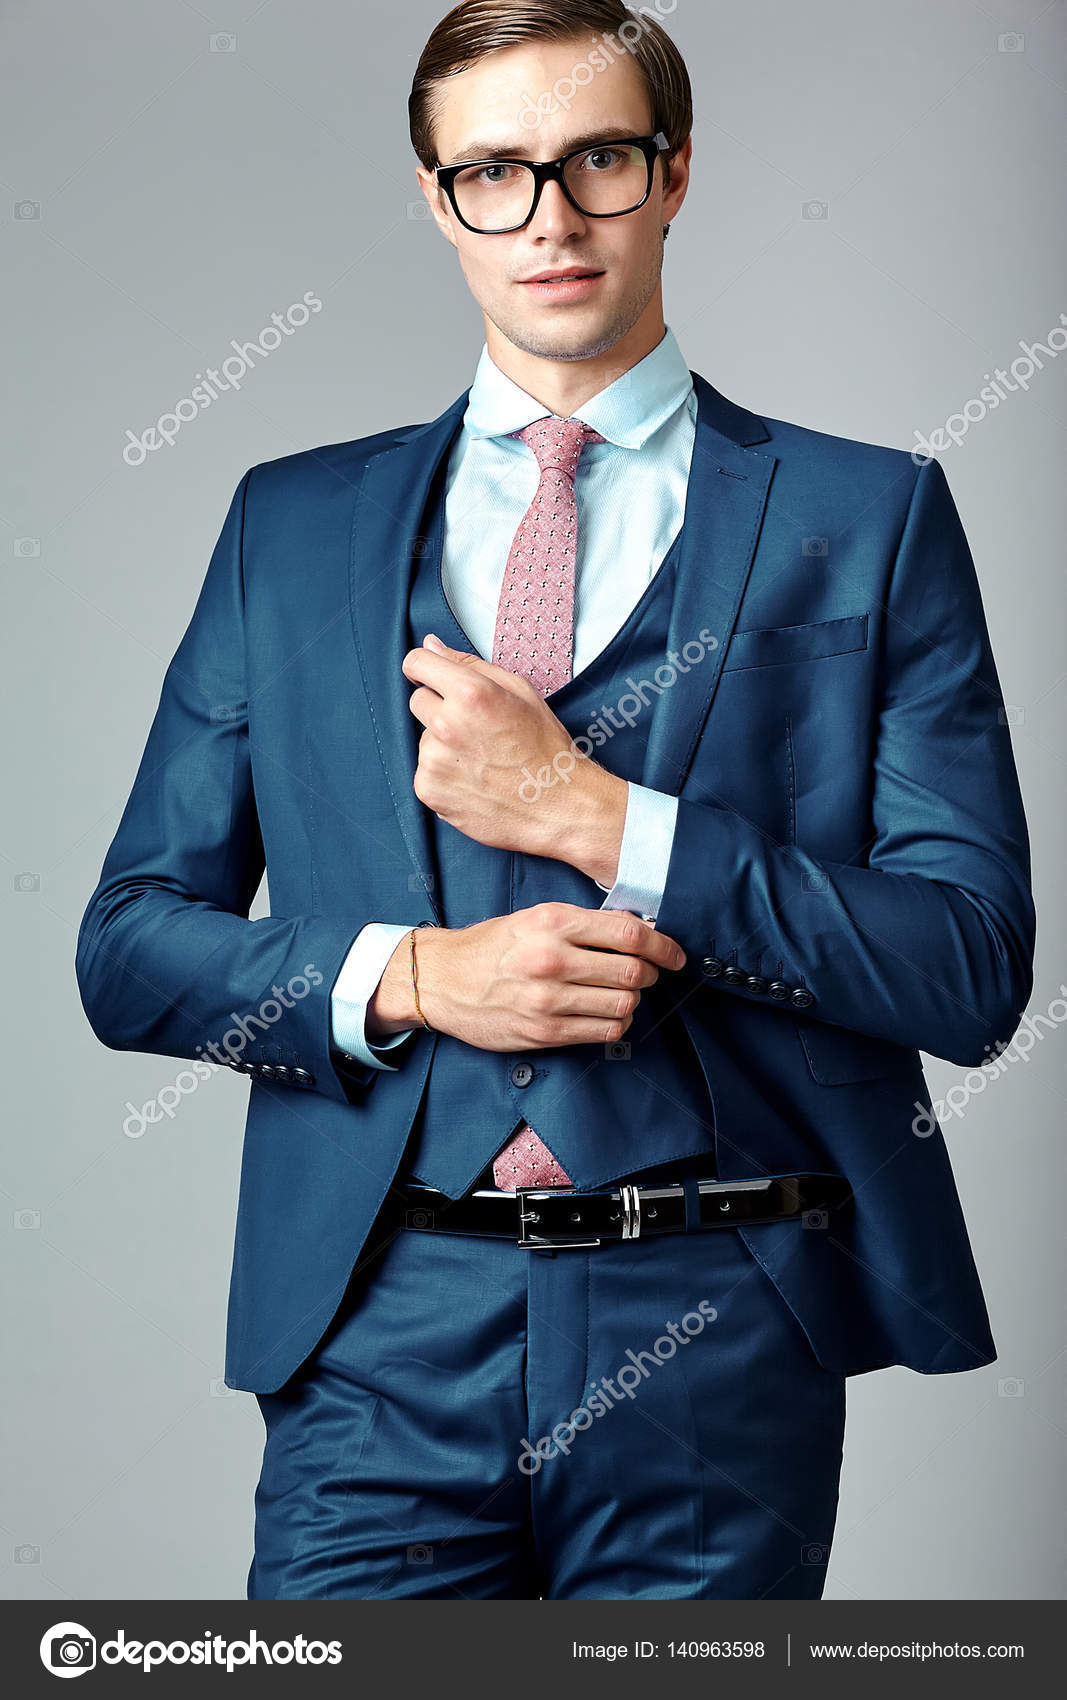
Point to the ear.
(675, 194)
(437, 202)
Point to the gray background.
(184, 195)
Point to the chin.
(556, 336)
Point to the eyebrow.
(493, 150)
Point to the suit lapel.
(725, 502)
(385, 525)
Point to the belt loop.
(691, 1189)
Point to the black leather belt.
(564, 1218)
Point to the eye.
(491, 175)
(603, 159)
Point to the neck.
(564, 385)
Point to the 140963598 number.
(715, 1649)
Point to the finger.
(603, 1003)
(606, 968)
(425, 704)
(617, 929)
(443, 672)
(574, 1030)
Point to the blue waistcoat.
(642, 1101)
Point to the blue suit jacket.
(849, 877)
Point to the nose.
(555, 217)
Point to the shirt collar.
(627, 412)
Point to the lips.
(568, 274)
(564, 275)
(563, 288)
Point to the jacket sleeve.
(927, 940)
(167, 959)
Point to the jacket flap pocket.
(839, 1055)
(771, 646)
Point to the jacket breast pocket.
(775, 646)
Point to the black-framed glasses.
(493, 196)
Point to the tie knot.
(559, 442)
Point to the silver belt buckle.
(527, 1196)
(629, 1199)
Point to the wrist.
(391, 1008)
(595, 837)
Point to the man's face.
(625, 254)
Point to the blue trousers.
(642, 1420)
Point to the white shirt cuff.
(645, 852)
(353, 989)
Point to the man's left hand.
(496, 764)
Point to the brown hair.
(476, 28)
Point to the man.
(633, 784)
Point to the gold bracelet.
(414, 985)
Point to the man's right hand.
(555, 974)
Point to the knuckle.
(631, 934)
(548, 1030)
(550, 914)
(471, 693)
(540, 998)
(628, 1002)
(540, 962)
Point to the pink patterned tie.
(535, 637)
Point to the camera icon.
(816, 209)
(814, 882)
(224, 43)
(218, 1389)
(814, 1553)
(815, 1219)
(419, 1219)
(222, 713)
(1011, 1388)
(1011, 715)
(72, 1652)
(419, 209)
(617, 1050)
(26, 1554)
(27, 209)
(420, 881)
(1011, 42)
(27, 882)
(419, 1554)
(815, 547)
(27, 548)
(27, 1218)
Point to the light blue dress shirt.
(631, 494)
